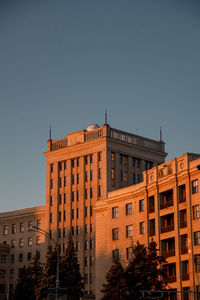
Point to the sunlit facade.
(81, 169)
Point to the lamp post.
(45, 233)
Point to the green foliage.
(70, 276)
(24, 289)
(48, 276)
(143, 273)
(115, 288)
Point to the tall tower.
(80, 169)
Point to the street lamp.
(45, 233)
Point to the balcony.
(152, 232)
(185, 276)
(183, 224)
(167, 228)
(166, 204)
(168, 253)
(184, 250)
(151, 209)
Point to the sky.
(62, 62)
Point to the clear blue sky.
(63, 61)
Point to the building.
(19, 245)
(164, 208)
(81, 169)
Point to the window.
(91, 158)
(86, 228)
(86, 160)
(91, 211)
(100, 191)
(5, 230)
(129, 253)
(86, 176)
(129, 209)
(12, 259)
(2, 288)
(38, 223)
(78, 178)
(29, 256)
(86, 278)
(113, 173)
(30, 223)
(129, 230)
(91, 192)
(141, 205)
(73, 214)
(91, 175)
(142, 228)
(38, 240)
(64, 232)
(2, 274)
(91, 278)
(86, 211)
(30, 241)
(73, 196)
(59, 166)
(11, 273)
(37, 254)
(86, 261)
(21, 242)
(86, 245)
(60, 199)
(196, 212)
(65, 165)
(77, 213)
(197, 238)
(77, 246)
(3, 258)
(115, 233)
(115, 254)
(51, 234)
(86, 193)
(73, 163)
(91, 260)
(51, 217)
(14, 228)
(133, 178)
(60, 182)
(65, 180)
(113, 156)
(77, 195)
(22, 227)
(78, 162)
(100, 156)
(115, 212)
(197, 263)
(59, 216)
(65, 197)
(91, 244)
(51, 167)
(195, 186)
(73, 179)
(120, 176)
(100, 173)
(64, 215)
(91, 228)
(51, 200)
(77, 230)
(13, 243)
(125, 177)
(51, 183)
(21, 257)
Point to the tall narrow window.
(100, 156)
(141, 205)
(100, 191)
(195, 186)
(100, 173)
(115, 233)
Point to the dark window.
(141, 205)
(129, 209)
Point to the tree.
(70, 276)
(24, 289)
(115, 288)
(48, 276)
(144, 272)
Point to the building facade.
(81, 169)
(163, 208)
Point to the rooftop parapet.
(83, 136)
